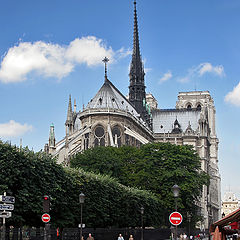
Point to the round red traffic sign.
(175, 218)
(46, 218)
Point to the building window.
(99, 136)
(127, 140)
(116, 132)
(86, 141)
(133, 141)
(189, 106)
(99, 131)
(199, 107)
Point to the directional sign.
(9, 207)
(46, 218)
(175, 218)
(5, 214)
(7, 199)
(83, 225)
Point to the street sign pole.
(4, 228)
(5, 208)
(4, 224)
(47, 230)
(175, 218)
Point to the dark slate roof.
(163, 120)
(110, 97)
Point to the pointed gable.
(110, 97)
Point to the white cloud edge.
(233, 97)
(202, 69)
(166, 76)
(54, 60)
(14, 129)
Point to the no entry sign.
(46, 218)
(175, 218)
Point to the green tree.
(155, 166)
(28, 176)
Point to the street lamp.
(142, 212)
(189, 222)
(175, 190)
(81, 201)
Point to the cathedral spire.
(136, 56)
(69, 113)
(69, 121)
(137, 94)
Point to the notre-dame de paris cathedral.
(111, 119)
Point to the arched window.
(199, 107)
(86, 141)
(99, 138)
(116, 132)
(189, 106)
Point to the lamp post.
(81, 201)
(142, 212)
(189, 222)
(175, 190)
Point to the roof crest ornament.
(105, 60)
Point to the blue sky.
(50, 49)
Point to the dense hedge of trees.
(156, 167)
(28, 176)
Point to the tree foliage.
(28, 176)
(156, 167)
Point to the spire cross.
(105, 60)
(135, 6)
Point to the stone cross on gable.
(105, 60)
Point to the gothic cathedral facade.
(111, 119)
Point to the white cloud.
(44, 58)
(166, 77)
(234, 96)
(184, 79)
(209, 68)
(147, 70)
(53, 60)
(89, 50)
(122, 52)
(14, 129)
(200, 70)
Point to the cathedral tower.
(137, 94)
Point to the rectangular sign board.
(83, 225)
(5, 214)
(9, 207)
(7, 199)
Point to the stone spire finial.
(69, 121)
(105, 60)
(52, 140)
(75, 106)
(20, 143)
(69, 113)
